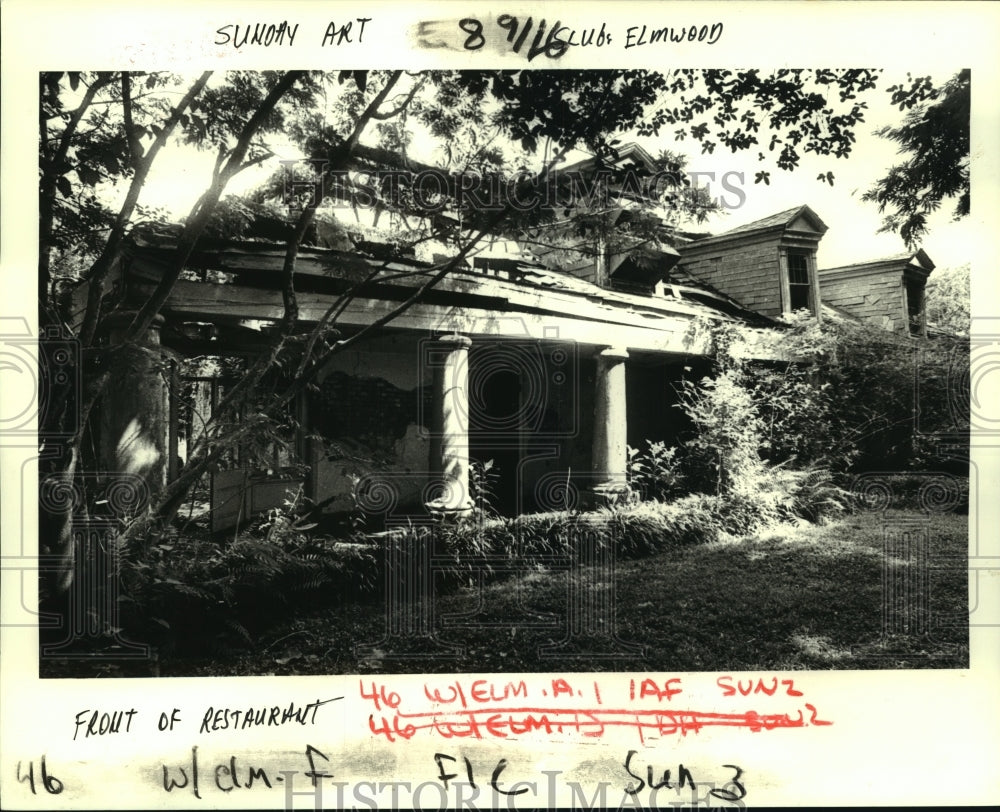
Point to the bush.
(858, 398)
(655, 472)
(814, 495)
(476, 546)
(796, 408)
(653, 527)
(849, 403)
(187, 592)
(723, 456)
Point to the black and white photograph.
(469, 370)
(438, 406)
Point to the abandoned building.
(888, 293)
(547, 375)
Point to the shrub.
(483, 479)
(466, 543)
(857, 398)
(655, 472)
(814, 495)
(285, 524)
(741, 514)
(653, 527)
(796, 408)
(861, 398)
(723, 457)
(187, 591)
(475, 546)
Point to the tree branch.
(370, 111)
(52, 170)
(403, 104)
(196, 224)
(100, 269)
(134, 146)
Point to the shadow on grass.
(867, 592)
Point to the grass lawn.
(803, 597)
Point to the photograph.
(501, 370)
(431, 406)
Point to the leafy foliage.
(935, 135)
(796, 401)
(949, 300)
(795, 405)
(861, 398)
(723, 455)
(791, 106)
(778, 441)
(714, 106)
(654, 472)
(186, 593)
(284, 525)
(483, 479)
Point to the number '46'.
(52, 785)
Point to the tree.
(935, 135)
(100, 133)
(114, 133)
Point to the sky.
(853, 224)
(181, 174)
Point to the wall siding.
(747, 272)
(876, 298)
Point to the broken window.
(915, 307)
(798, 282)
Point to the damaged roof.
(786, 220)
(228, 279)
(918, 259)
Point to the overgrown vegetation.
(790, 597)
(772, 446)
(190, 594)
(863, 399)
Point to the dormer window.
(798, 281)
(799, 297)
(767, 266)
(915, 307)
(889, 293)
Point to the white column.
(610, 453)
(450, 433)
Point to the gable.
(804, 223)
